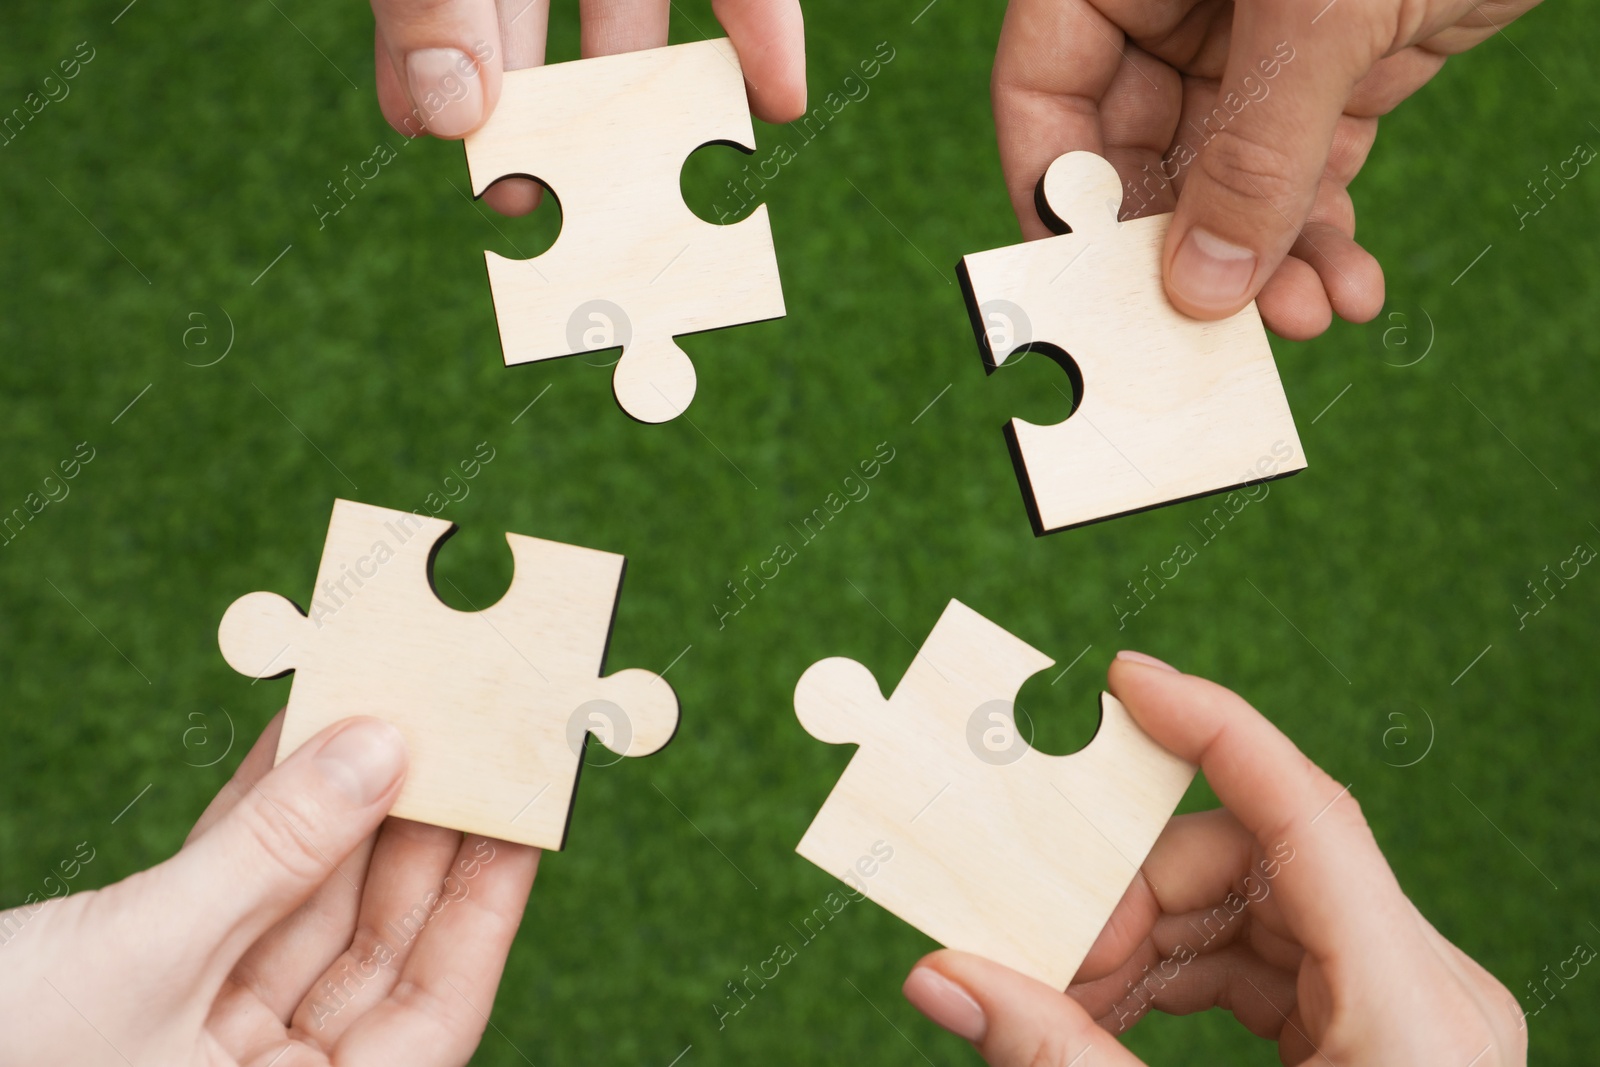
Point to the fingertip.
(393, 102)
(1359, 298)
(769, 36)
(1012, 1018)
(1144, 659)
(514, 197)
(944, 1000)
(1349, 275)
(1294, 303)
(453, 101)
(1179, 711)
(362, 759)
(1209, 276)
(1127, 667)
(777, 104)
(438, 66)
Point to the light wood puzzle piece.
(495, 705)
(1171, 407)
(633, 266)
(997, 848)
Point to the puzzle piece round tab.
(833, 699)
(645, 710)
(633, 267)
(1169, 407)
(258, 635)
(992, 848)
(654, 380)
(495, 704)
(1083, 191)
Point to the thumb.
(438, 64)
(284, 838)
(1013, 1020)
(1258, 153)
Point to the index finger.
(769, 36)
(1054, 64)
(1334, 886)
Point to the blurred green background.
(1369, 605)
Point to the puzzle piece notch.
(1018, 855)
(494, 704)
(632, 267)
(260, 632)
(1171, 407)
(838, 700)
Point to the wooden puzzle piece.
(633, 267)
(996, 848)
(496, 705)
(1171, 407)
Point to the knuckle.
(1341, 799)
(1250, 168)
(1058, 1048)
(425, 1001)
(275, 830)
(366, 944)
(1352, 143)
(422, 10)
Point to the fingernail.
(446, 87)
(946, 1003)
(1211, 272)
(1131, 656)
(363, 760)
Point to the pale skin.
(1261, 200)
(1262, 207)
(228, 954)
(1315, 947)
(293, 879)
(440, 62)
(294, 876)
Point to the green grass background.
(365, 363)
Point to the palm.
(394, 959)
(1140, 83)
(1218, 934)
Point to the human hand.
(289, 930)
(439, 61)
(1279, 907)
(1251, 117)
